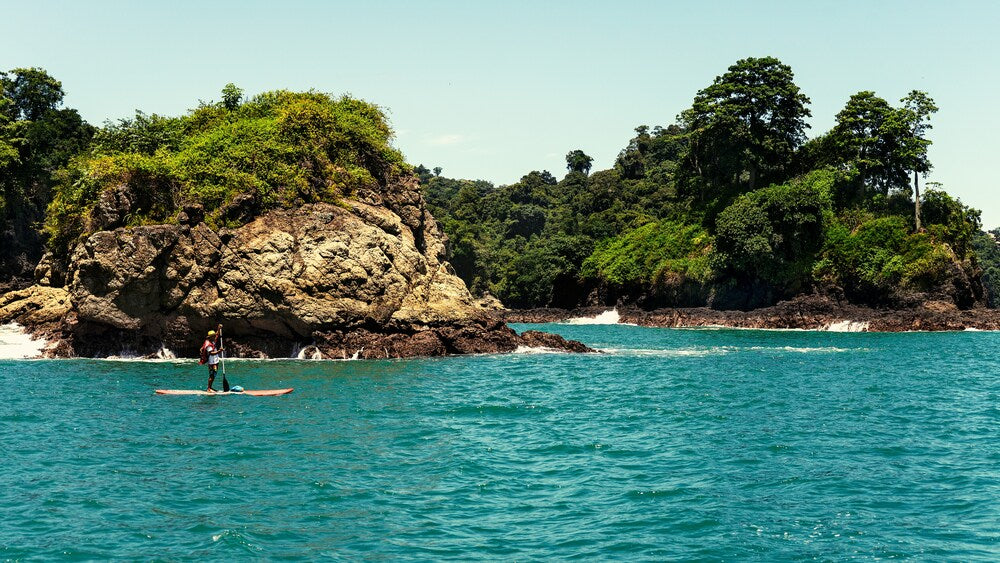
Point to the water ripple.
(719, 445)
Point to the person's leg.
(211, 376)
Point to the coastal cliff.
(364, 279)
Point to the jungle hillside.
(732, 205)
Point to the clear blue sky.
(493, 90)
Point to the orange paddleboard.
(254, 392)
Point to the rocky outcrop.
(808, 312)
(367, 277)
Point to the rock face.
(368, 278)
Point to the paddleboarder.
(210, 354)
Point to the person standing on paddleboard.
(210, 355)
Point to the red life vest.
(204, 351)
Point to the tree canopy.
(745, 128)
(730, 204)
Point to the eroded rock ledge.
(809, 312)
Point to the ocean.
(709, 444)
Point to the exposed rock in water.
(538, 339)
(366, 278)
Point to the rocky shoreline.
(807, 312)
(482, 336)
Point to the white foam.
(310, 352)
(165, 353)
(673, 353)
(537, 350)
(805, 350)
(15, 344)
(722, 350)
(610, 317)
(847, 326)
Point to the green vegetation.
(237, 159)
(988, 253)
(650, 253)
(37, 138)
(730, 204)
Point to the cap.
(211, 333)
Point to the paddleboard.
(254, 392)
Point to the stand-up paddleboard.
(254, 392)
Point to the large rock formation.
(367, 278)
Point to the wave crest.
(16, 344)
(610, 317)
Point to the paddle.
(222, 360)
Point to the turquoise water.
(676, 444)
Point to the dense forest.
(733, 206)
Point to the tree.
(231, 96)
(526, 220)
(772, 233)
(866, 137)
(988, 254)
(51, 141)
(632, 160)
(746, 126)
(577, 161)
(31, 92)
(949, 220)
(423, 173)
(883, 143)
(36, 137)
(916, 112)
(8, 133)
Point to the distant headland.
(731, 207)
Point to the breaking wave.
(15, 344)
(610, 317)
(538, 350)
(847, 326)
(721, 350)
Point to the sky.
(494, 90)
